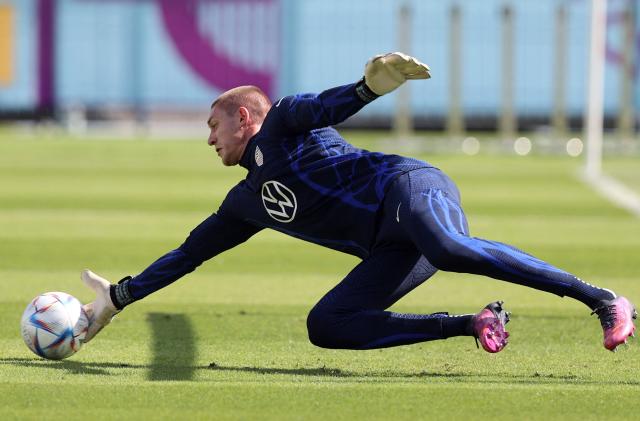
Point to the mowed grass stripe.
(313, 401)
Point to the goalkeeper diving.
(401, 216)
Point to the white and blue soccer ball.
(54, 325)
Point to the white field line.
(616, 192)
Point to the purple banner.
(204, 58)
(46, 55)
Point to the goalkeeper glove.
(101, 310)
(384, 73)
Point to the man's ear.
(245, 117)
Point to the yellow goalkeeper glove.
(385, 72)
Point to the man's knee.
(446, 256)
(326, 329)
(318, 327)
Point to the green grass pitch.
(229, 341)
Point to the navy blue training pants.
(423, 229)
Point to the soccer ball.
(54, 325)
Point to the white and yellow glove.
(102, 310)
(385, 72)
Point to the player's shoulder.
(288, 100)
(239, 189)
(236, 198)
(286, 103)
(274, 120)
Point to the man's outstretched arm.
(213, 236)
(382, 74)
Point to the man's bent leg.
(433, 219)
(352, 316)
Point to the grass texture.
(229, 341)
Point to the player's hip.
(405, 197)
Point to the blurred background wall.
(140, 58)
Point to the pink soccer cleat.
(616, 317)
(488, 327)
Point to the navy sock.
(588, 294)
(457, 326)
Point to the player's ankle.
(604, 295)
(456, 325)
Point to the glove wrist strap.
(364, 92)
(120, 294)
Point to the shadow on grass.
(176, 372)
(72, 367)
(174, 349)
(171, 371)
(535, 379)
(319, 371)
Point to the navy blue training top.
(303, 180)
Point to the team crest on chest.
(279, 201)
(259, 157)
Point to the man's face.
(227, 135)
